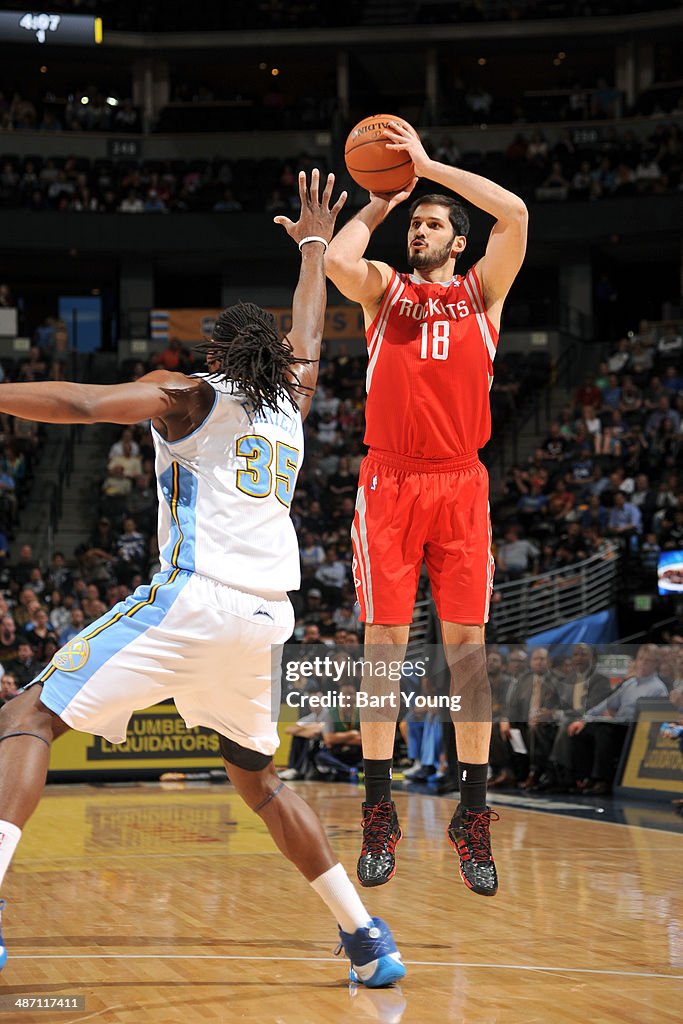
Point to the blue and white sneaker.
(3, 951)
(375, 960)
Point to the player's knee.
(25, 713)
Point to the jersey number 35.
(257, 479)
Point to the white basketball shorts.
(215, 650)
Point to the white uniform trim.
(491, 568)
(395, 291)
(471, 289)
(360, 537)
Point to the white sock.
(9, 837)
(336, 890)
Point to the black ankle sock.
(377, 780)
(472, 785)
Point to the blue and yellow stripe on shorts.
(147, 606)
(179, 488)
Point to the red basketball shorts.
(409, 511)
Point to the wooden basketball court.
(170, 904)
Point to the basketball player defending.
(229, 445)
(423, 493)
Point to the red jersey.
(431, 349)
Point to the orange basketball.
(370, 163)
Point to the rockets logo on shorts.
(73, 656)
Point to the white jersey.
(224, 495)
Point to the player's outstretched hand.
(403, 138)
(316, 217)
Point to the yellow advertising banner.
(157, 740)
(194, 325)
(654, 762)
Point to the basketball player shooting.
(228, 446)
(422, 492)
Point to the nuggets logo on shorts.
(73, 656)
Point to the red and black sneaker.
(381, 834)
(469, 835)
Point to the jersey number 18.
(440, 340)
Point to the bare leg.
(24, 760)
(300, 836)
(378, 727)
(294, 826)
(466, 656)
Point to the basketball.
(370, 163)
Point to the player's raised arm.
(312, 233)
(362, 280)
(158, 395)
(507, 242)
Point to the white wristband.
(313, 238)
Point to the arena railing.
(533, 604)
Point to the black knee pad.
(249, 760)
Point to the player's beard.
(428, 259)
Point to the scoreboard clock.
(41, 28)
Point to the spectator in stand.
(625, 520)
(592, 423)
(560, 502)
(532, 505)
(500, 750)
(642, 361)
(343, 483)
(76, 624)
(620, 358)
(595, 515)
(132, 203)
(532, 707)
(555, 445)
(311, 552)
(131, 547)
(588, 394)
(600, 733)
(341, 752)
(611, 395)
(654, 390)
(331, 575)
(25, 666)
(22, 569)
(423, 727)
(126, 118)
(582, 689)
(663, 412)
(60, 611)
(631, 400)
(306, 734)
(581, 470)
(9, 641)
(8, 687)
(127, 439)
(649, 554)
(555, 185)
(515, 557)
(39, 632)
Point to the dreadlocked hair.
(254, 356)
